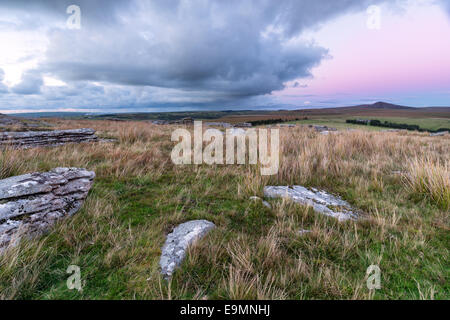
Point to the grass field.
(139, 195)
(339, 122)
(336, 123)
(425, 123)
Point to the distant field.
(427, 118)
(425, 123)
(336, 123)
(339, 122)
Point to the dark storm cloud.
(232, 48)
(62, 92)
(205, 51)
(94, 11)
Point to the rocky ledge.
(320, 201)
(31, 139)
(30, 204)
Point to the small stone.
(177, 242)
(265, 203)
(321, 201)
(322, 128)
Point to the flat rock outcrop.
(30, 204)
(177, 242)
(32, 139)
(322, 128)
(320, 201)
(440, 133)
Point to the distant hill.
(382, 105)
(381, 109)
(378, 109)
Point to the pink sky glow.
(410, 54)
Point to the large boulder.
(177, 242)
(320, 201)
(31, 139)
(30, 204)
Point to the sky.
(171, 55)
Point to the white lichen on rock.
(320, 201)
(177, 242)
(30, 204)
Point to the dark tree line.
(273, 121)
(393, 125)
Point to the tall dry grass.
(139, 149)
(238, 260)
(429, 179)
(309, 157)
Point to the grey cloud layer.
(215, 46)
(30, 83)
(191, 51)
(94, 11)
